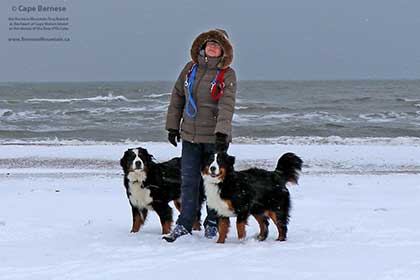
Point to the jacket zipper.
(196, 87)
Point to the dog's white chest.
(213, 198)
(139, 197)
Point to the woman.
(200, 112)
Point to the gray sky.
(274, 40)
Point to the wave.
(330, 140)
(281, 140)
(45, 114)
(38, 114)
(100, 98)
(346, 100)
(292, 117)
(5, 112)
(258, 105)
(407, 99)
(364, 98)
(157, 95)
(104, 111)
(127, 110)
(388, 116)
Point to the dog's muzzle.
(214, 171)
(138, 165)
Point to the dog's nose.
(138, 165)
(212, 169)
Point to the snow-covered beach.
(64, 215)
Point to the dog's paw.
(260, 237)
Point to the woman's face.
(213, 49)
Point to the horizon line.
(242, 80)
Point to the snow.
(64, 214)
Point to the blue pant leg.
(190, 185)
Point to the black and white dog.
(255, 191)
(151, 186)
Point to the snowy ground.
(64, 215)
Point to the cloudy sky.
(273, 40)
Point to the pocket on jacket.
(208, 114)
(213, 108)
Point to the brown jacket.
(212, 116)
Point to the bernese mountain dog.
(255, 191)
(151, 186)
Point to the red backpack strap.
(217, 87)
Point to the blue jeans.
(191, 162)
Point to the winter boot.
(178, 231)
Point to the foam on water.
(264, 110)
(282, 140)
(109, 97)
(389, 116)
(408, 100)
(155, 95)
(5, 112)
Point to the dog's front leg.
(137, 219)
(223, 229)
(165, 214)
(241, 222)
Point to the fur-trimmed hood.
(219, 36)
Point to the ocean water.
(266, 111)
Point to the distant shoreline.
(172, 81)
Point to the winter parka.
(212, 115)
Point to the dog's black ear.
(231, 160)
(123, 160)
(148, 156)
(205, 159)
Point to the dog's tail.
(289, 166)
